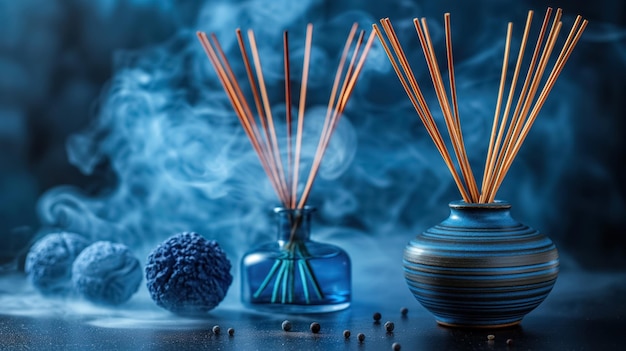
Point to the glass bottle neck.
(293, 225)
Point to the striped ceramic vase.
(480, 267)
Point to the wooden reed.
(261, 129)
(507, 134)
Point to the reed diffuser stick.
(349, 82)
(571, 42)
(507, 134)
(457, 122)
(288, 118)
(493, 141)
(305, 76)
(497, 156)
(293, 266)
(517, 119)
(407, 78)
(453, 129)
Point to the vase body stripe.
(480, 267)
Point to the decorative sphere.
(188, 274)
(49, 261)
(106, 273)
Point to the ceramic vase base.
(298, 309)
(479, 326)
(480, 268)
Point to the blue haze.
(113, 125)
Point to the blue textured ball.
(106, 273)
(49, 261)
(188, 274)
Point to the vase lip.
(305, 209)
(497, 204)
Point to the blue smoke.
(163, 151)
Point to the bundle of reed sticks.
(261, 129)
(507, 134)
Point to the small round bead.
(286, 325)
(346, 333)
(361, 337)
(509, 342)
(491, 337)
(389, 326)
(231, 331)
(216, 329)
(404, 311)
(396, 346)
(315, 327)
(377, 316)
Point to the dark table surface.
(585, 311)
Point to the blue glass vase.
(480, 267)
(295, 274)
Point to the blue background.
(113, 125)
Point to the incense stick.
(507, 134)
